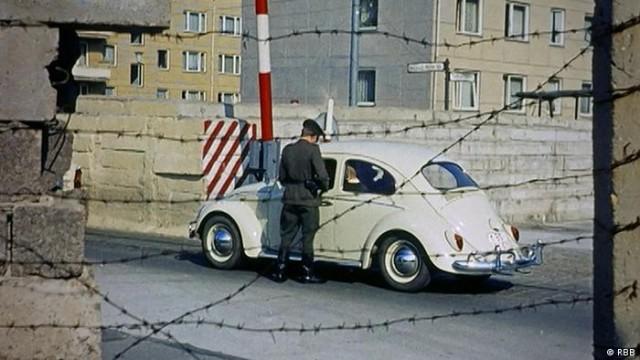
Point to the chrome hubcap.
(405, 260)
(222, 240)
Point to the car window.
(447, 176)
(331, 165)
(365, 177)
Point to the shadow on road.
(114, 341)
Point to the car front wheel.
(403, 263)
(221, 242)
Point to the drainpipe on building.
(354, 53)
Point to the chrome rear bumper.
(505, 261)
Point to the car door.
(364, 197)
(324, 236)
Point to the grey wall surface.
(311, 68)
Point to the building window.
(470, 16)
(193, 61)
(83, 60)
(368, 14)
(513, 85)
(193, 95)
(195, 22)
(555, 107)
(137, 38)
(109, 54)
(136, 74)
(163, 59)
(465, 90)
(586, 103)
(162, 94)
(588, 23)
(366, 95)
(231, 25)
(110, 91)
(517, 21)
(557, 27)
(228, 98)
(84, 89)
(229, 64)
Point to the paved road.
(162, 288)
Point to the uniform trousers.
(292, 218)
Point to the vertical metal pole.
(354, 54)
(447, 79)
(264, 69)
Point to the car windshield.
(447, 176)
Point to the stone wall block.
(48, 232)
(27, 92)
(20, 160)
(35, 300)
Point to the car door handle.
(326, 203)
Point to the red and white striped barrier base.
(225, 154)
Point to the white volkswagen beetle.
(389, 204)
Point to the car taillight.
(456, 241)
(515, 232)
(459, 241)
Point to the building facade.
(196, 59)
(393, 35)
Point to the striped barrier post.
(264, 70)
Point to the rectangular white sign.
(461, 77)
(425, 67)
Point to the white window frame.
(375, 76)
(115, 55)
(590, 99)
(167, 59)
(377, 22)
(84, 50)
(237, 64)
(557, 103)
(507, 93)
(165, 91)
(235, 97)
(560, 31)
(141, 38)
(237, 25)
(509, 22)
(202, 95)
(588, 23)
(202, 61)
(457, 91)
(202, 22)
(141, 74)
(461, 15)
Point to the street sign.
(462, 77)
(425, 67)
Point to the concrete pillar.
(616, 136)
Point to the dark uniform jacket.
(300, 162)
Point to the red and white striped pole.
(264, 69)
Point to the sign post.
(434, 67)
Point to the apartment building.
(396, 34)
(197, 59)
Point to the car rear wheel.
(221, 242)
(403, 263)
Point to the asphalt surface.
(165, 287)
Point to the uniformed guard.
(304, 176)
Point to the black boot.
(309, 277)
(280, 274)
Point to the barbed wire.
(93, 289)
(629, 292)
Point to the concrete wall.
(146, 169)
(311, 69)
